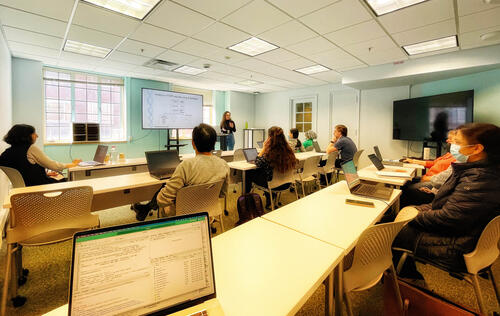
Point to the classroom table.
(369, 174)
(262, 268)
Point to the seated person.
(31, 162)
(203, 168)
(275, 156)
(343, 144)
(294, 141)
(449, 227)
(419, 191)
(310, 137)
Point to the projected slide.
(166, 109)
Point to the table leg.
(243, 182)
(329, 295)
(338, 288)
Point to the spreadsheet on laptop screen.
(141, 269)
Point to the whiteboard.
(166, 109)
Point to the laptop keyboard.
(366, 189)
(88, 163)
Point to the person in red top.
(412, 192)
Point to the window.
(303, 113)
(75, 97)
(208, 110)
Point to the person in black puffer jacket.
(450, 226)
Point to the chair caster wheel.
(214, 230)
(22, 280)
(18, 301)
(226, 212)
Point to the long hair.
(223, 119)
(19, 134)
(278, 152)
(485, 134)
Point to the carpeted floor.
(47, 286)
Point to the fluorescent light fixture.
(85, 49)
(249, 82)
(381, 7)
(253, 46)
(312, 69)
(431, 46)
(134, 8)
(189, 70)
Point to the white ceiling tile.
(334, 59)
(473, 39)
(310, 81)
(466, 7)
(424, 13)
(337, 16)
(372, 46)
(298, 8)
(145, 70)
(32, 49)
(140, 48)
(330, 76)
(231, 70)
(45, 60)
(287, 34)
(383, 57)
(277, 55)
(297, 63)
(195, 47)
(32, 22)
(253, 64)
(344, 69)
(220, 76)
(176, 57)
(128, 58)
(221, 55)
(357, 33)
(179, 19)
(82, 59)
(68, 64)
(256, 17)
(426, 33)
(214, 8)
(221, 35)
(111, 64)
(311, 46)
(480, 20)
(104, 20)
(156, 36)
(56, 9)
(32, 38)
(92, 37)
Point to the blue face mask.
(455, 152)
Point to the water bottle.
(114, 154)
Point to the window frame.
(313, 99)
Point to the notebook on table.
(364, 188)
(388, 172)
(99, 156)
(162, 163)
(147, 268)
(386, 161)
(250, 154)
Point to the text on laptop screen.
(143, 268)
(350, 173)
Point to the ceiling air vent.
(160, 64)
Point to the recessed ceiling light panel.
(134, 8)
(249, 82)
(189, 70)
(85, 49)
(253, 46)
(312, 69)
(381, 7)
(431, 46)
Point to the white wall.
(242, 108)
(5, 108)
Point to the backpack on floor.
(249, 207)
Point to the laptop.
(250, 154)
(162, 163)
(157, 267)
(386, 162)
(364, 188)
(100, 155)
(388, 172)
(317, 148)
(260, 144)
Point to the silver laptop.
(364, 188)
(388, 172)
(162, 163)
(316, 147)
(99, 156)
(250, 154)
(386, 162)
(146, 268)
(260, 144)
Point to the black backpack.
(249, 207)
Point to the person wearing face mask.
(449, 227)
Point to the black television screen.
(430, 118)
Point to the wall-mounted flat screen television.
(163, 109)
(430, 118)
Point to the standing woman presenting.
(228, 127)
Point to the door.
(346, 112)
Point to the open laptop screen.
(100, 153)
(250, 154)
(350, 173)
(377, 152)
(162, 162)
(376, 162)
(142, 268)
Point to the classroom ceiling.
(339, 34)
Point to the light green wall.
(486, 87)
